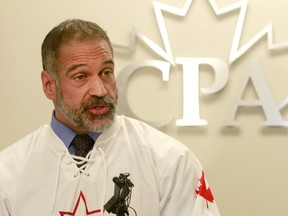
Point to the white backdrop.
(246, 166)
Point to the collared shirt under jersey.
(66, 134)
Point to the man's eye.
(106, 73)
(80, 77)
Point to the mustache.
(95, 101)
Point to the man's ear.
(48, 85)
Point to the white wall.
(246, 167)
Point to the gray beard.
(84, 120)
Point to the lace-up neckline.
(83, 167)
(81, 163)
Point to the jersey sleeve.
(184, 189)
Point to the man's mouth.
(99, 109)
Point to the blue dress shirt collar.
(66, 134)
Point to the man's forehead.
(84, 47)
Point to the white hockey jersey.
(38, 176)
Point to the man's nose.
(97, 87)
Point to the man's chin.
(99, 124)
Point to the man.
(49, 173)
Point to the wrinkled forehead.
(78, 40)
(76, 52)
(76, 46)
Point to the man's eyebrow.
(73, 67)
(110, 61)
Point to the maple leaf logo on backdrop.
(80, 202)
(236, 50)
(204, 191)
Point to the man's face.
(86, 97)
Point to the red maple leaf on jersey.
(204, 191)
(74, 212)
